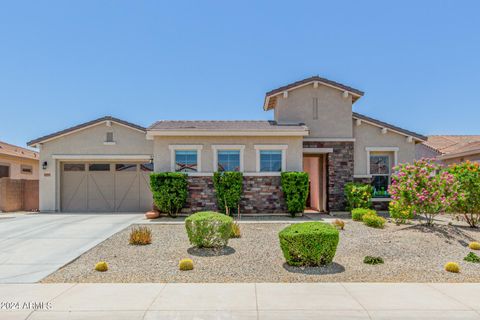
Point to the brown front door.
(314, 165)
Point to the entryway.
(315, 166)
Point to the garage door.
(105, 187)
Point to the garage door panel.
(146, 197)
(101, 195)
(74, 191)
(127, 196)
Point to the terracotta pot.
(152, 214)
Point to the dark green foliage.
(472, 257)
(228, 188)
(209, 229)
(295, 188)
(169, 191)
(357, 214)
(309, 243)
(373, 260)
(358, 195)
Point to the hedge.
(228, 189)
(209, 229)
(295, 187)
(170, 190)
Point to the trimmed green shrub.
(209, 229)
(373, 220)
(228, 188)
(358, 195)
(400, 213)
(357, 214)
(373, 260)
(170, 190)
(309, 243)
(472, 257)
(295, 188)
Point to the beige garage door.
(105, 187)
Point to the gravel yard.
(412, 253)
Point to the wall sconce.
(151, 160)
(44, 165)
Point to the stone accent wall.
(18, 195)
(261, 194)
(339, 170)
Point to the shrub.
(399, 213)
(309, 243)
(340, 224)
(419, 186)
(474, 245)
(472, 257)
(468, 204)
(140, 236)
(169, 191)
(228, 189)
(357, 214)
(358, 195)
(236, 233)
(101, 266)
(295, 187)
(185, 264)
(374, 221)
(373, 260)
(452, 267)
(209, 229)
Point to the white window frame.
(221, 147)
(382, 149)
(281, 147)
(196, 147)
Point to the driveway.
(36, 245)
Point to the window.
(74, 167)
(270, 160)
(4, 171)
(26, 169)
(99, 167)
(186, 161)
(109, 137)
(228, 160)
(380, 171)
(146, 167)
(125, 167)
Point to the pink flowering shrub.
(423, 188)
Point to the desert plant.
(228, 189)
(373, 220)
(140, 236)
(101, 266)
(295, 188)
(420, 186)
(309, 243)
(185, 264)
(373, 260)
(358, 195)
(209, 229)
(358, 213)
(170, 190)
(452, 267)
(236, 233)
(472, 257)
(474, 245)
(399, 213)
(340, 224)
(468, 204)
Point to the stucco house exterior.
(449, 149)
(103, 165)
(17, 162)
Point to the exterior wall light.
(44, 165)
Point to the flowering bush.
(468, 177)
(400, 213)
(424, 187)
(358, 195)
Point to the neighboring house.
(103, 165)
(450, 149)
(17, 162)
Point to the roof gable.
(16, 151)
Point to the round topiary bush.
(309, 243)
(209, 229)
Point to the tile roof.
(234, 125)
(447, 144)
(16, 151)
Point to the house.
(103, 165)
(448, 149)
(17, 162)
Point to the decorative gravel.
(412, 253)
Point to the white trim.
(196, 147)
(360, 176)
(217, 147)
(330, 139)
(227, 133)
(101, 156)
(389, 129)
(382, 149)
(109, 143)
(270, 146)
(281, 147)
(262, 174)
(459, 154)
(199, 174)
(317, 150)
(381, 199)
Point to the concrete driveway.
(35, 245)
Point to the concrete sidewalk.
(241, 301)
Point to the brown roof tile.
(447, 144)
(247, 125)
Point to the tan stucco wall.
(367, 135)
(89, 141)
(162, 154)
(15, 164)
(334, 111)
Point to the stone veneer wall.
(339, 170)
(261, 194)
(377, 205)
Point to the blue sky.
(63, 63)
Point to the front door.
(314, 165)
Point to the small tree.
(358, 195)
(295, 187)
(228, 188)
(170, 190)
(468, 177)
(423, 186)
